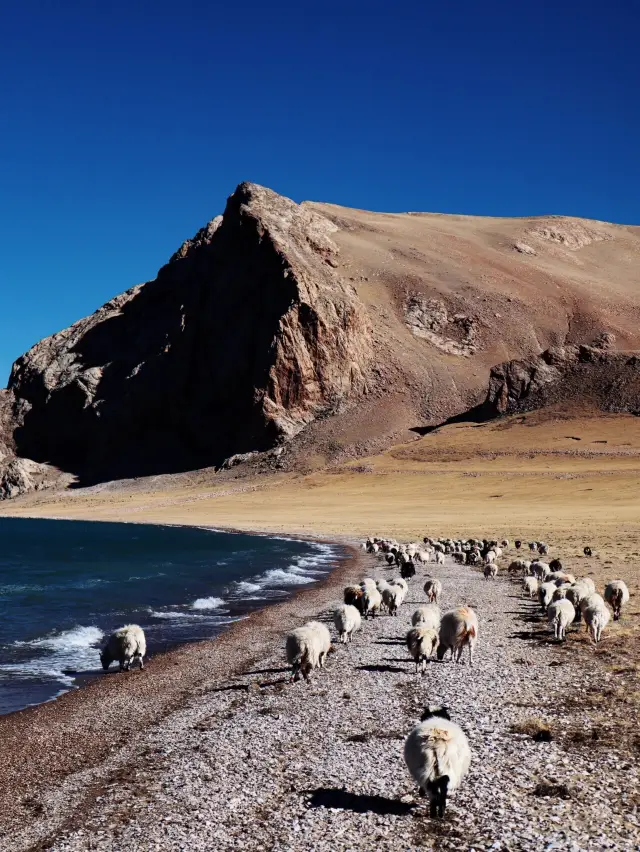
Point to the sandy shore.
(57, 755)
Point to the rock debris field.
(262, 764)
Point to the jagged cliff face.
(244, 337)
(568, 376)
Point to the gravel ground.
(257, 763)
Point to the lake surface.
(65, 585)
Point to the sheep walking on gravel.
(371, 601)
(539, 569)
(125, 645)
(307, 648)
(408, 570)
(437, 755)
(616, 594)
(400, 581)
(347, 620)
(530, 587)
(458, 628)
(433, 590)
(576, 593)
(545, 594)
(518, 566)
(596, 618)
(393, 597)
(560, 615)
(490, 571)
(427, 616)
(422, 641)
(353, 596)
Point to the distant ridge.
(310, 333)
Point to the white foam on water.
(305, 570)
(148, 576)
(156, 613)
(247, 588)
(207, 603)
(78, 637)
(75, 649)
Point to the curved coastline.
(60, 752)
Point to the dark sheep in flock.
(408, 570)
(587, 551)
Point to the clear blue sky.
(125, 125)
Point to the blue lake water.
(64, 585)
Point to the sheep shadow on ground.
(390, 642)
(281, 680)
(542, 638)
(269, 671)
(329, 797)
(380, 668)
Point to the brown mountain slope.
(330, 330)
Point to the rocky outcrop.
(568, 375)
(244, 337)
(19, 475)
(453, 334)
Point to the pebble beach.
(212, 748)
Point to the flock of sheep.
(436, 751)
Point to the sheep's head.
(435, 710)
(106, 659)
(442, 650)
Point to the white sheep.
(490, 571)
(433, 590)
(592, 600)
(400, 581)
(490, 557)
(371, 601)
(540, 569)
(125, 645)
(459, 627)
(530, 587)
(393, 597)
(422, 642)
(559, 577)
(616, 594)
(347, 620)
(545, 594)
(307, 648)
(437, 755)
(427, 616)
(576, 593)
(561, 592)
(596, 618)
(587, 581)
(440, 558)
(560, 615)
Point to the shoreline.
(84, 679)
(102, 714)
